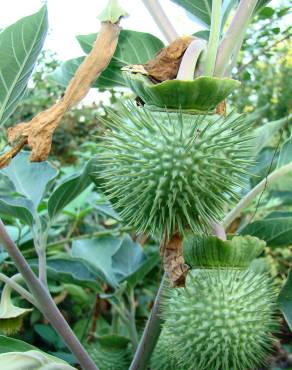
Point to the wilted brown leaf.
(166, 63)
(38, 132)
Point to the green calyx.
(211, 252)
(222, 320)
(171, 172)
(200, 96)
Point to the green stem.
(150, 335)
(132, 320)
(234, 32)
(45, 302)
(214, 37)
(275, 175)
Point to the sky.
(68, 18)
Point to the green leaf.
(285, 156)
(285, 300)
(202, 9)
(143, 270)
(133, 48)
(128, 258)
(8, 344)
(261, 4)
(20, 45)
(67, 269)
(113, 12)
(276, 231)
(98, 253)
(30, 179)
(113, 259)
(49, 335)
(69, 190)
(18, 207)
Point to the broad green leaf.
(98, 253)
(113, 259)
(285, 300)
(20, 45)
(8, 344)
(67, 269)
(276, 231)
(133, 48)
(17, 207)
(29, 179)
(68, 190)
(202, 9)
(143, 270)
(285, 156)
(32, 360)
(128, 258)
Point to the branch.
(159, 16)
(45, 302)
(150, 335)
(237, 27)
(275, 175)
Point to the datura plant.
(172, 164)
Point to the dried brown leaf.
(166, 63)
(39, 131)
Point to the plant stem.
(150, 335)
(18, 288)
(159, 16)
(237, 27)
(214, 37)
(132, 318)
(45, 302)
(190, 59)
(275, 175)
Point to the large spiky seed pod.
(163, 357)
(222, 320)
(167, 172)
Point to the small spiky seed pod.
(222, 320)
(168, 172)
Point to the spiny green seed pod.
(110, 353)
(222, 320)
(163, 357)
(168, 172)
